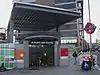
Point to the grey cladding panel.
(68, 27)
(19, 46)
(61, 1)
(69, 34)
(46, 2)
(73, 21)
(67, 6)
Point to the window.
(68, 6)
(79, 5)
(61, 1)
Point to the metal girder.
(40, 33)
(69, 34)
(37, 26)
(28, 21)
(30, 29)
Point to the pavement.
(68, 70)
(71, 69)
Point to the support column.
(56, 56)
(26, 54)
(57, 51)
(10, 32)
(8, 35)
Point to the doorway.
(41, 55)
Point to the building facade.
(70, 32)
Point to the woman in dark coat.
(75, 57)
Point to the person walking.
(75, 55)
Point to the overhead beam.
(30, 32)
(33, 21)
(30, 29)
(33, 27)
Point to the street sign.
(90, 28)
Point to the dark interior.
(41, 55)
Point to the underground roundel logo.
(90, 28)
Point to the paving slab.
(69, 70)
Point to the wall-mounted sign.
(64, 51)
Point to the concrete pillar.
(56, 54)
(26, 54)
(10, 32)
(8, 35)
(57, 51)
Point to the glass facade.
(7, 55)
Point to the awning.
(35, 17)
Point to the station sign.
(90, 28)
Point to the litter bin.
(86, 64)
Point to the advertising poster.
(7, 55)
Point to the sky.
(6, 6)
(5, 11)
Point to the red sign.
(64, 51)
(89, 28)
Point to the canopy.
(35, 17)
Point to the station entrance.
(41, 54)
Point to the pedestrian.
(75, 55)
(96, 60)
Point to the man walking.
(75, 57)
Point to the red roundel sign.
(89, 28)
